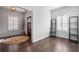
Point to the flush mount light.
(13, 8)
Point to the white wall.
(69, 11)
(41, 23)
(4, 31)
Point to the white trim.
(40, 38)
(62, 37)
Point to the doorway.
(29, 26)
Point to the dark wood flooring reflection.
(78, 47)
(49, 44)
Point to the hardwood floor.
(49, 44)
(56, 45)
(78, 47)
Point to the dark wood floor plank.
(49, 44)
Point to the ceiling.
(30, 8)
(18, 8)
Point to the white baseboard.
(63, 37)
(45, 37)
(40, 38)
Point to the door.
(29, 26)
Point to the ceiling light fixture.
(13, 8)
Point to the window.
(12, 22)
(59, 24)
(62, 23)
(65, 23)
